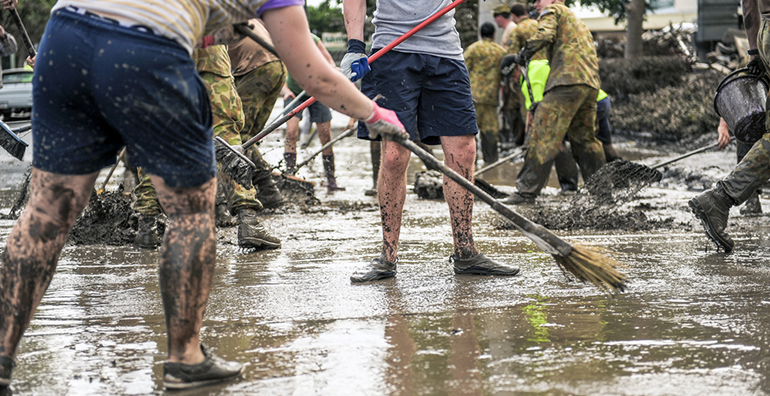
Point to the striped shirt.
(185, 21)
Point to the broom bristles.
(592, 267)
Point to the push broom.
(9, 140)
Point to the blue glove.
(355, 63)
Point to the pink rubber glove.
(383, 122)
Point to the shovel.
(641, 173)
(584, 264)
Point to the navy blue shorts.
(431, 95)
(99, 86)
(319, 112)
(603, 119)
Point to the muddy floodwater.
(694, 321)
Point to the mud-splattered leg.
(459, 155)
(33, 248)
(391, 192)
(187, 259)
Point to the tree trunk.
(635, 17)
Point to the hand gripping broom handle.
(371, 59)
(540, 235)
(24, 35)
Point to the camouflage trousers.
(228, 119)
(751, 173)
(564, 110)
(145, 198)
(754, 169)
(259, 90)
(489, 128)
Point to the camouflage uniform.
(514, 106)
(519, 36)
(213, 65)
(754, 169)
(483, 61)
(569, 103)
(259, 90)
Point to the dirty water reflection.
(694, 321)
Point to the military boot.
(331, 181)
(147, 232)
(223, 217)
(252, 234)
(267, 192)
(752, 205)
(713, 208)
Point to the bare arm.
(291, 36)
(325, 53)
(355, 16)
(751, 21)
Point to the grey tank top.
(393, 18)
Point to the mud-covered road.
(693, 322)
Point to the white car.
(16, 94)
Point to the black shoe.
(147, 232)
(752, 205)
(378, 269)
(520, 199)
(481, 265)
(213, 369)
(372, 192)
(713, 208)
(252, 234)
(6, 367)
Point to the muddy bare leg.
(392, 193)
(290, 145)
(187, 259)
(33, 249)
(459, 155)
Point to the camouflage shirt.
(483, 61)
(569, 47)
(213, 59)
(519, 36)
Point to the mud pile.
(598, 204)
(429, 184)
(110, 220)
(106, 220)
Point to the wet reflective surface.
(694, 321)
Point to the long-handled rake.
(584, 264)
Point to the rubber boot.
(222, 215)
(267, 192)
(291, 162)
(489, 150)
(375, 149)
(147, 232)
(331, 181)
(566, 170)
(252, 234)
